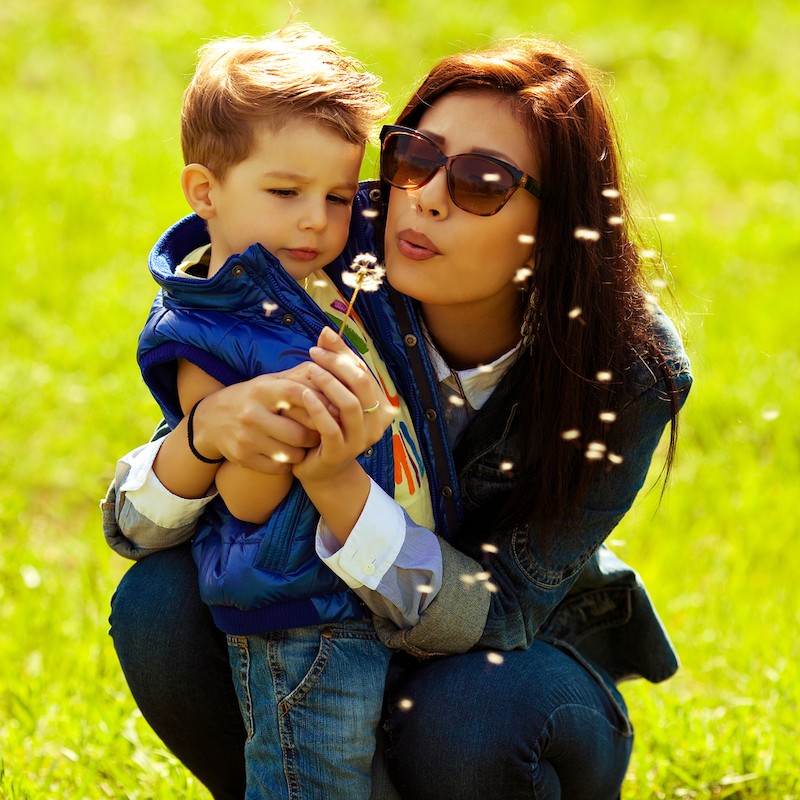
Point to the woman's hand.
(261, 424)
(355, 416)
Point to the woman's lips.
(416, 246)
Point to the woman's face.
(443, 256)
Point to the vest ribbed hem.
(288, 614)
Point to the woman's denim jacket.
(501, 586)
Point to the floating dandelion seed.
(483, 576)
(505, 466)
(281, 458)
(648, 254)
(490, 548)
(369, 213)
(424, 588)
(467, 579)
(406, 704)
(491, 177)
(615, 220)
(365, 273)
(282, 405)
(490, 587)
(770, 414)
(604, 376)
(615, 458)
(456, 400)
(593, 455)
(30, 576)
(575, 312)
(610, 192)
(495, 658)
(526, 238)
(319, 283)
(522, 274)
(587, 234)
(269, 308)
(572, 433)
(659, 283)
(485, 369)
(597, 447)
(608, 416)
(667, 217)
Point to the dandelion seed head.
(269, 308)
(604, 376)
(615, 458)
(587, 234)
(572, 433)
(526, 238)
(575, 312)
(615, 220)
(608, 416)
(610, 192)
(494, 658)
(487, 547)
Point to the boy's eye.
(336, 199)
(283, 192)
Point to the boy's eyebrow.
(300, 178)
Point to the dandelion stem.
(360, 275)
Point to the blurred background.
(707, 103)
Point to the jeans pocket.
(301, 660)
(239, 657)
(617, 705)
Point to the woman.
(541, 377)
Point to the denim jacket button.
(410, 340)
(431, 415)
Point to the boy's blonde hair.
(243, 82)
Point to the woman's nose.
(434, 197)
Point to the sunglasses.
(477, 184)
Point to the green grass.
(708, 104)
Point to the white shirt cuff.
(149, 496)
(373, 544)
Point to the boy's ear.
(197, 183)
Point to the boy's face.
(293, 194)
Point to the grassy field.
(708, 104)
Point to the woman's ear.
(197, 182)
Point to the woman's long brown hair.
(557, 100)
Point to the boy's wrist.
(197, 434)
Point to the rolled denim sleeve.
(140, 515)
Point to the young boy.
(273, 134)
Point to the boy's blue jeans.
(311, 699)
(542, 724)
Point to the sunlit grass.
(708, 106)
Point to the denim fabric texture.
(311, 699)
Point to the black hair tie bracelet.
(190, 436)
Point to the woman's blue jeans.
(542, 724)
